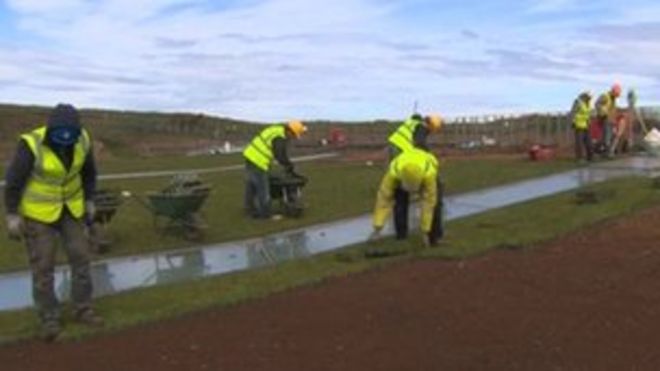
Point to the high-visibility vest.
(260, 151)
(51, 185)
(402, 138)
(417, 156)
(581, 114)
(605, 104)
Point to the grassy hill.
(129, 133)
(125, 132)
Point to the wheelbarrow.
(621, 134)
(177, 207)
(287, 191)
(107, 202)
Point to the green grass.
(336, 190)
(120, 158)
(520, 226)
(158, 163)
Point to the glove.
(15, 227)
(375, 234)
(90, 211)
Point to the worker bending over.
(271, 143)
(413, 172)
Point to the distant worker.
(414, 171)
(624, 120)
(413, 133)
(633, 116)
(606, 112)
(50, 184)
(623, 140)
(581, 116)
(271, 143)
(632, 99)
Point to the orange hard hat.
(297, 128)
(434, 122)
(616, 89)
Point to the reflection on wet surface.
(121, 274)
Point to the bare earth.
(590, 301)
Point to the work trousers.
(607, 126)
(41, 241)
(583, 146)
(401, 206)
(257, 192)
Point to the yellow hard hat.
(434, 122)
(296, 127)
(412, 175)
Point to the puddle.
(121, 274)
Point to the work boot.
(50, 330)
(89, 317)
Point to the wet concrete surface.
(126, 273)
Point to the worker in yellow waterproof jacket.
(580, 117)
(270, 144)
(414, 171)
(413, 133)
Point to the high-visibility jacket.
(392, 179)
(260, 151)
(581, 114)
(51, 185)
(606, 105)
(402, 137)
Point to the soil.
(588, 301)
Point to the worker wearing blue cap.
(49, 191)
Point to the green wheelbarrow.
(179, 212)
(176, 209)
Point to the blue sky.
(342, 59)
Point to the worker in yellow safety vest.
(270, 144)
(413, 172)
(413, 133)
(49, 191)
(606, 111)
(580, 117)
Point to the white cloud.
(269, 59)
(44, 7)
(10, 72)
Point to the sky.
(268, 60)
